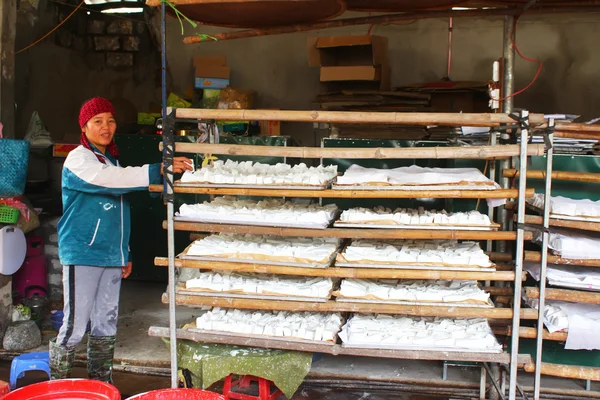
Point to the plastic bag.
(36, 134)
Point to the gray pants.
(90, 293)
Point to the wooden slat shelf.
(333, 306)
(350, 117)
(338, 350)
(338, 272)
(471, 152)
(344, 194)
(535, 256)
(348, 232)
(563, 223)
(587, 177)
(573, 296)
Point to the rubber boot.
(101, 350)
(61, 360)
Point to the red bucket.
(66, 389)
(179, 394)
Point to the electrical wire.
(52, 30)
(532, 60)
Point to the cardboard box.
(270, 128)
(210, 83)
(211, 67)
(351, 59)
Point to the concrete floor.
(350, 377)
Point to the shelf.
(552, 259)
(347, 233)
(587, 177)
(344, 194)
(563, 223)
(338, 350)
(379, 153)
(351, 117)
(356, 273)
(573, 296)
(333, 306)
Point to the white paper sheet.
(569, 244)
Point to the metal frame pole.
(544, 263)
(168, 128)
(516, 322)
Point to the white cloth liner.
(572, 245)
(565, 206)
(560, 275)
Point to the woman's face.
(100, 130)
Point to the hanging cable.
(53, 29)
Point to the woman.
(93, 239)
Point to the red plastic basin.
(66, 389)
(179, 394)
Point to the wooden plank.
(337, 349)
(354, 194)
(8, 32)
(356, 273)
(563, 223)
(535, 256)
(573, 296)
(531, 333)
(587, 177)
(347, 233)
(400, 118)
(472, 152)
(566, 371)
(333, 306)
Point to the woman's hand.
(180, 164)
(126, 270)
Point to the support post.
(168, 130)
(519, 256)
(544, 263)
(8, 30)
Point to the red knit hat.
(89, 110)
(93, 107)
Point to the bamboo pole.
(537, 257)
(558, 175)
(567, 371)
(341, 272)
(495, 256)
(531, 333)
(575, 127)
(348, 233)
(564, 223)
(347, 194)
(472, 152)
(573, 296)
(352, 117)
(577, 135)
(334, 306)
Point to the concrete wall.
(54, 80)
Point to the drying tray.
(185, 256)
(252, 223)
(419, 347)
(489, 304)
(419, 267)
(413, 188)
(286, 339)
(494, 227)
(564, 217)
(250, 186)
(204, 293)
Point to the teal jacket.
(95, 227)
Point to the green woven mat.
(209, 363)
